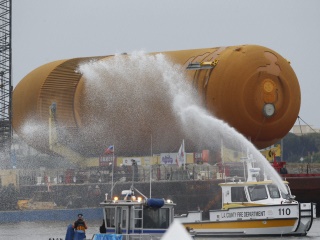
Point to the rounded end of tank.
(26, 118)
(259, 95)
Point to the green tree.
(306, 146)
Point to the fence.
(125, 174)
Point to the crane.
(5, 80)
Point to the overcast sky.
(48, 30)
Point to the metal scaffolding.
(5, 78)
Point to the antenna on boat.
(252, 171)
(134, 164)
(140, 193)
(111, 149)
(113, 185)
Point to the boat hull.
(274, 220)
(272, 227)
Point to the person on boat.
(102, 228)
(80, 224)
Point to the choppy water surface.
(40, 230)
(46, 230)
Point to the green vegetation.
(306, 147)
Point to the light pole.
(150, 162)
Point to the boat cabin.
(237, 194)
(137, 215)
(251, 192)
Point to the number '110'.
(283, 211)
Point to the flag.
(109, 150)
(230, 155)
(271, 153)
(181, 156)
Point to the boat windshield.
(286, 195)
(257, 192)
(273, 191)
(156, 218)
(110, 213)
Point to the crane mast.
(5, 82)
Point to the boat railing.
(234, 179)
(88, 176)
(128, 237)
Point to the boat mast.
(251, 171)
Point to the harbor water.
(46, 230)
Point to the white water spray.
(152, 90)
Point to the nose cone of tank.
(259, 94)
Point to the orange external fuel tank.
(252, 88)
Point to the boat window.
(137, 217)
(156, 218)
(118, 220)
(238, 194)
(124, 219)
(110, 213)
(286, 195)
(273, 191)
(258, 192)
